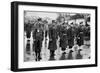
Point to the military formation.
(57, 40)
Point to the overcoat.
(52, 38)
(38, 38)
(27, 29)
(63, 37)
(80, 39)
(70, 36)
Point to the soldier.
(53, 36)
(75, 30)
(70, 56)
(28, 47)
(63, 57)
(80, 39)
(79, 56)
(63, 34)
(27, 29)
(63, 38)
(87, 33)
(70, 36)
(38, 38)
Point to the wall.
(5, 35)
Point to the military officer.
(27, 29)
(53, 36)
(80, 37)
(63, 34)
(38, 38)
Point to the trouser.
(63, 49)
(70, 46)
(80, 42)
(38, 57)
(37, 50)
(52, 53)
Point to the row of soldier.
(67, 36)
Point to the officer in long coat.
(53, 36)
(70, 55)
(87, 33)
(70, 37)
(63, 37)
(62, 30)
(80, 38)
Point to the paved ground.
(45, 53)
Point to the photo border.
(14, 35)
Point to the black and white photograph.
(53, 36)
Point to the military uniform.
(27, 29)
(87, 33)
(70, 56)
(38, 38)
(52, 40)
(79, 56)
(70, 37)
(80, 38)
(63, 38)
(28, 47)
